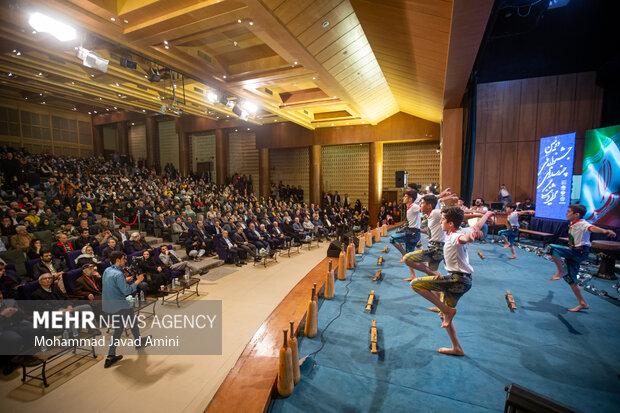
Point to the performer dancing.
(410, 234)
(445, 290)
(427, 260)
(509, 234)
(577, 251)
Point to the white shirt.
(413, 216)
(435, 232)
(579, 234)
(418, 199)
(455, 254)
(228, 242)
(513, 219)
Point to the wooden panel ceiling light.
(297, 59)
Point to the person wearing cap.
(88, 285)
(409, 235)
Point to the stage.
(570, 357)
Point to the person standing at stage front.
(410, 234)
(577, 251)
(114, 302)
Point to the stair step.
(154, 240)
(205, 264)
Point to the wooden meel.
(328, 293)
(385, 249)
(342, 267)
(362, 244)
(373, 337)
(376, 235)
(384, 230)
(286, 382)
(377, 275)
(510, 300)
(481, 254)
(380, 260)
(368, 239)
(312, 313)
(351, 256)
(292, 343)
(371, 301)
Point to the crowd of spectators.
(63, 214)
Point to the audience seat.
(69, 278)
(17, 258)
(24, 291)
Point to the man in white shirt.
(445, 290)
(433, 254)
(577, 251)
(409, 235)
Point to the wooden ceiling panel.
(413, 52)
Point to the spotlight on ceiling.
(230, 103)
(212, 97)
(249, 107)
(91, 59)
(61, 31)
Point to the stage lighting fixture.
(91, 59)
(230, 103)
(153, 75)
(212, 97)
(61, 31)
(129, 64)
(249, 107)
(237, 110)
(244, 115)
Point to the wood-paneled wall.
(513, 116)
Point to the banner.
(600, 182)
(555, 176)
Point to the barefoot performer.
(577, 251)
(445, 290)
(428, 260)
(410, 234)
(510, 234)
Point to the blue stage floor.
(572, 358)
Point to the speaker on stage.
(521, 400)
(401, 179)
(334, 249)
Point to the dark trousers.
(122, 315)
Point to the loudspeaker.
(334, 249)
(401, 179)
(521, 400)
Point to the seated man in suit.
(172, 261)
(85, 239)
(278, 234)
(321, 231)
(299, 228)
(53, 266)
(111, 246)
(255, 237)
(136, 244)
(241, 240)
(204, 237)
(274, 243)
(235, 254)
(88, 285)
(62, 247)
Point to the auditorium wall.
(292, 167)
(202, 149)
(168, 144)
(243, 155)
(513, 115)
(40, 129)
(345, 169)
(420, 160)
(137, 141)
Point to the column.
(375, 181)
(451, 149)
(98, 140)
(264, 181)
(315, 174)
(152, 142)
(184, 164)
(221, 155)
(122, 134)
